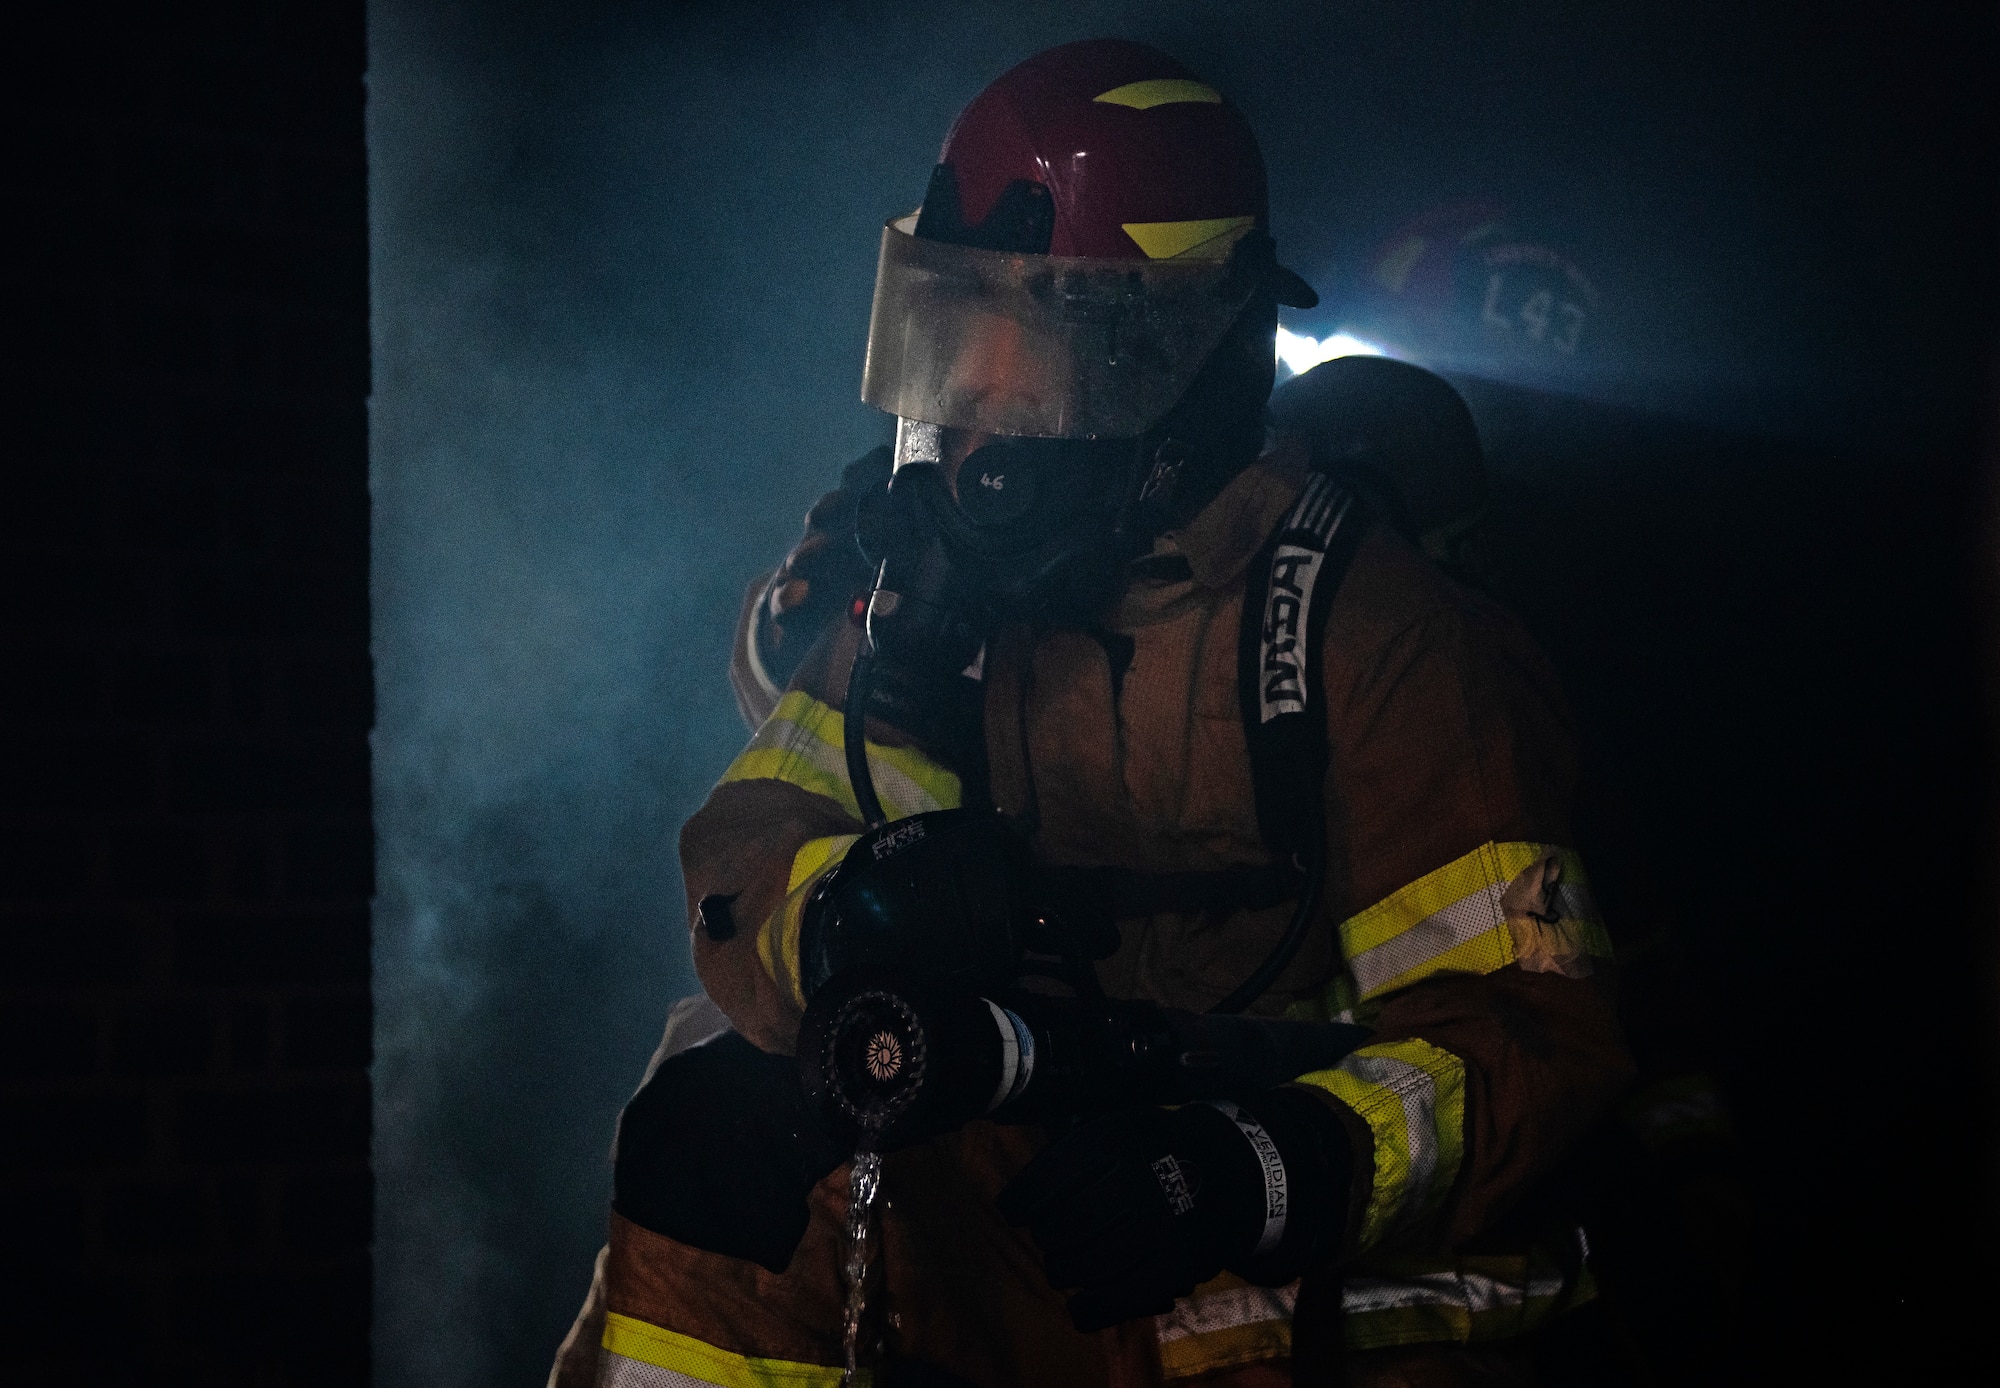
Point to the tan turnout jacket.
(1456, 921)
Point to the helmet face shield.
(1043, 346)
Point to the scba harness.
(1290, 588)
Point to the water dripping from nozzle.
(864, 1185)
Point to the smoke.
(622, 262)
(621, 275)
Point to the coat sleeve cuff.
(1410, 1095)
(778, 939)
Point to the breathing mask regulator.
(1030, 530)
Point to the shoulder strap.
(1291, 587)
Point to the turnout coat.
(1456, 920)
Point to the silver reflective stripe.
(1010, 1055)
(614, 1370)
(1475, 1291)
(1416, 1094)
(1204, 1315)
(1465, 919)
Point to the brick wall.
(185, 852)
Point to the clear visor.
(1040, 345)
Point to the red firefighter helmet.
(1466, 284)
(1097, 222)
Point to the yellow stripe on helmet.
(1207, 238)
(1160, 91)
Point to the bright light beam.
(1301, 354)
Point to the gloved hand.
(1139, 1207)
(719, 1152)
(822, 574)
(952, 895)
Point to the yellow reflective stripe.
(1337, 1004)
(801, 743)
(1228, 1348)
(1488, 866)
(1424, 1298)
(1452, 920)
(1412, 1096)
(700, 1363)
(778, 940)
(815, 855)
(1467, 1299)
(1225, 1323)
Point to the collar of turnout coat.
(1226, 533)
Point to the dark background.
(184, 697)
(621, 257)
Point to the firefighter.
(1075, 333)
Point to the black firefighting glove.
(1136, 1208)
(949, 895)
(825, 571)
(718, 1151)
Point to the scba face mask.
(1026, 529)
